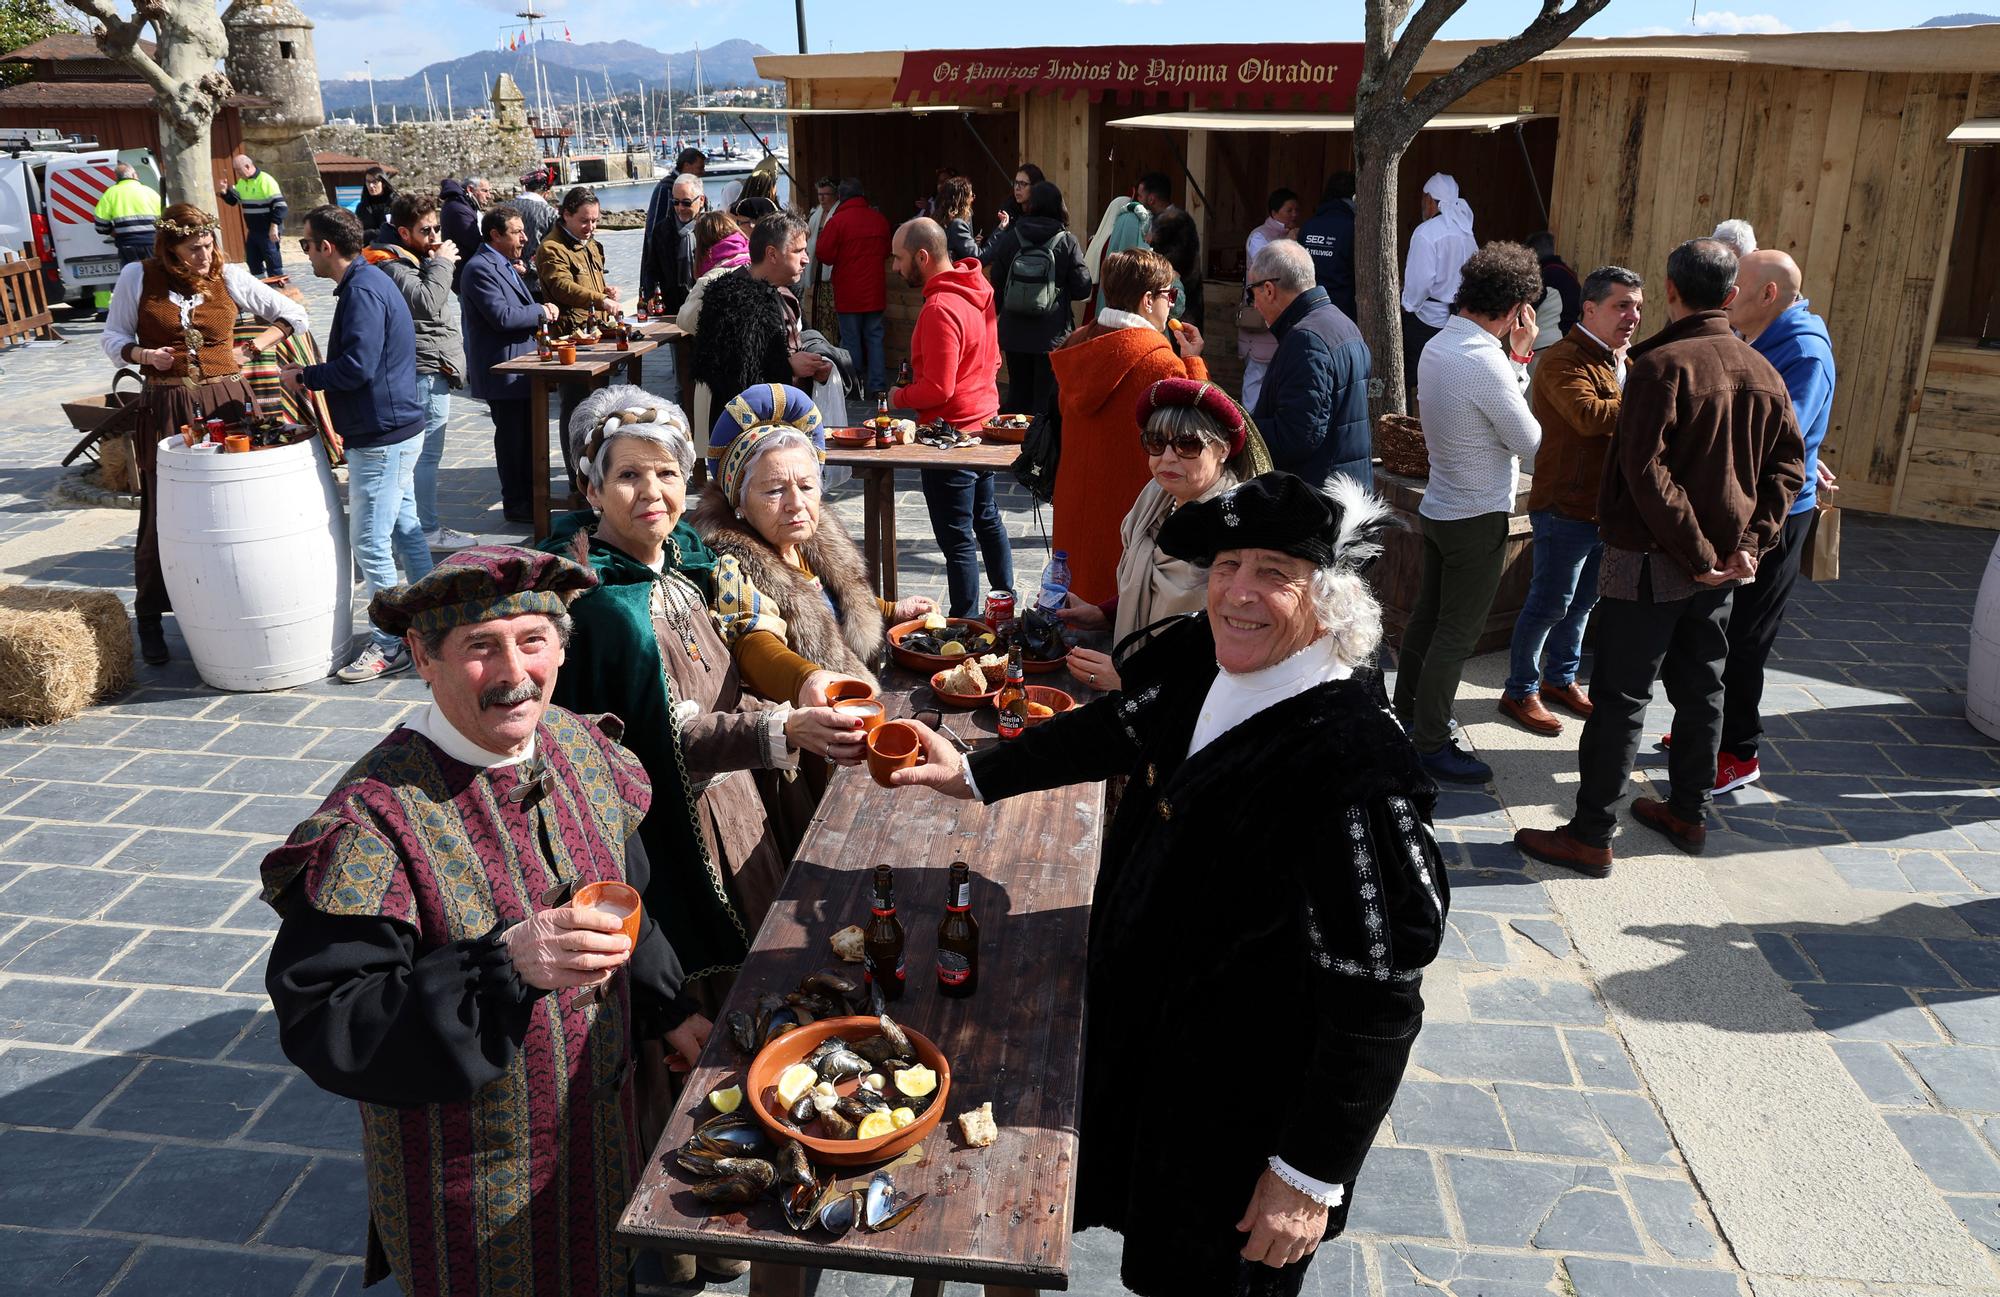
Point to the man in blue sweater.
(1774, 319)
(370, 381)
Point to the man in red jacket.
(855, 243)
(954, 368)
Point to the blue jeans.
(967, 523)
(861, 338)
(437, 409)
(1560, 597)
(382, 516)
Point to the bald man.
(1773, 318)
(954, 377)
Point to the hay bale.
(60, 651)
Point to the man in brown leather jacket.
(1700, 476)
(1575, 398)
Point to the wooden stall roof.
(1920, 49)
(1979, 130)
(99, 94)
(65, 47)
(1339, 122)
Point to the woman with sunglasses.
(1198, 443)
(1100, 374)
(1026, 177)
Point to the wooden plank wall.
(1952, 473)
(1847, 171)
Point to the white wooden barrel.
(254, 550)
(1982, 673)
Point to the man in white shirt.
(1438, 248)
(1473, 382)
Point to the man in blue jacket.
(1329, 238)
(1774, 319)
(500, 317)
(1313, 406)
(370, 381)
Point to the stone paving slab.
(157, 1142)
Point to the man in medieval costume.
(429, 962)
(1271, 890)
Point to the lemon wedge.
(874, 1124)
(903, 1117)
(954, 649)
(916, 1081)
(935, 621)
(794, 1081)
(728, 1100)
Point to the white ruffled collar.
(431, 723)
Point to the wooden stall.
(1872, 157)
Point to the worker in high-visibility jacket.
(129, 212)
(263, 204)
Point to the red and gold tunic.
(497, 1121)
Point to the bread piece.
(965, 679)
(849, 943)
(977, 1126)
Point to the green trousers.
(1462, 561)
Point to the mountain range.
(1960, 20)
(563, 64)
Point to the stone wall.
(427, 152)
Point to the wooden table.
(876, 467)
(594, 367)
(1000, 1215)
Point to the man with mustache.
(430, 964)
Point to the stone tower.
(510, 107)
(271, 55)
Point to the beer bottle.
(903, 374)
(1012, 701)
(958, 938)
(882, 943)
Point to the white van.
(48, 206)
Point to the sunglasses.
(1188, 445)
(1259, 283)
(685, 202)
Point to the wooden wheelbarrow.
(107, 423)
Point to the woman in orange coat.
(1101, 373)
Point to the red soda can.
(216, 431)
(999, 608)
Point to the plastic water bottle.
(1055, 583)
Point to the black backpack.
(1041, 447)
(1032, 289)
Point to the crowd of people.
(706, 597)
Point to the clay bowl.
(929, 662)
(852, 438)
(1054, 699)
(760, 1089)
(967, 701)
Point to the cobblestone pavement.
(155, 1142)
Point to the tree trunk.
(192, 44)
(1378, 270)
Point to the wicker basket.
(1399, 440)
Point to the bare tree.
(187, 79)
(1387, 118)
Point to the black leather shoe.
(152, 641)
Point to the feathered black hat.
(1278, 511)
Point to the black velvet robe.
(1260, 919)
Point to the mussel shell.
(828, 981)
(700, 1162)
(730, 1190)
(859, 1104)
(841, 1065)
(916, 1103)
(802, 1111)
(779, 1023)
(876, 1049)
(897, 1214)
(793, 1165)
(801, 1202)
(878, 1199)
(730, 1137)
(835, 1125)
(831, 1045)
(838, 1212)
(751, 1168)
(817, 1005)
(895, 1036)
(742, 1030)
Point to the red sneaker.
(1732, 773)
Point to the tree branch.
(118, 38)
(1548, 30)
(1417, 36)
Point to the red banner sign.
(1206, 76)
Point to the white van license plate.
(95, 268)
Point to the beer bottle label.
(953, 969)
(961, 897)
(1010, 724)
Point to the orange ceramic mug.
(848, 687)
(869, 710)
(618, 900)
(893, 746)
(565, 353)
(236, 443)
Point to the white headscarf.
(1457, 213)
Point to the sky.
(398, 39)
